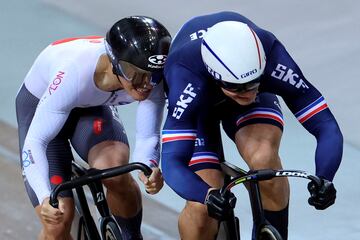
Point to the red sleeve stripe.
(74, 38)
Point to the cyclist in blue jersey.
(222, 68)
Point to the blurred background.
(322, 37)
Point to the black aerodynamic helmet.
(139, 40)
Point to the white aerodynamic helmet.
(233, 53)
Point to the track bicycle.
(235, 176)
(87, 229)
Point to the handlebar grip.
(146, 170)
(53, 199)
(316, 180)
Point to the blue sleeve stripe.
(196, 154)
(314, 108)
(178, 131)
(178, 135)
(311, 105)
(204, 157)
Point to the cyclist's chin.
(244, 101)
(139, 95)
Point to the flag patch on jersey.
(204, 157)
(178, 135)
(313, 108)
(267, 113)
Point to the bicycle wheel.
(112, 231)
(268, 232)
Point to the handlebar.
(240, 176)
(93, 175)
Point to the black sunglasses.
(135, 75)
(239, 88)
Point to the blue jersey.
(191, 90)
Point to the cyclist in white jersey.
(67, 98)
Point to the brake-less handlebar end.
(148, 171)
(54, 202)
(144, 168)
(317, 181)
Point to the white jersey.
(62, 77)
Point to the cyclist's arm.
(51, 114)
(179, 134)
(309, 107)
(328, 136)
(148, 122)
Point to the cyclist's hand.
(322, 197)
(219, 207)
(154, 182)
(52, 215)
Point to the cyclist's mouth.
(142, 90)
(243, 98)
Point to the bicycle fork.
(86, 215)
(97, 191)
(256, 206)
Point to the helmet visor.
(137, 76)
(239, 88)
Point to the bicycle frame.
(235, 176)
(97, 192)
(92, 178)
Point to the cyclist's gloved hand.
(323, 196)
(219, 206)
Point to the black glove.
(323, 196)
(219, 207)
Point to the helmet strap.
(119, 81)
